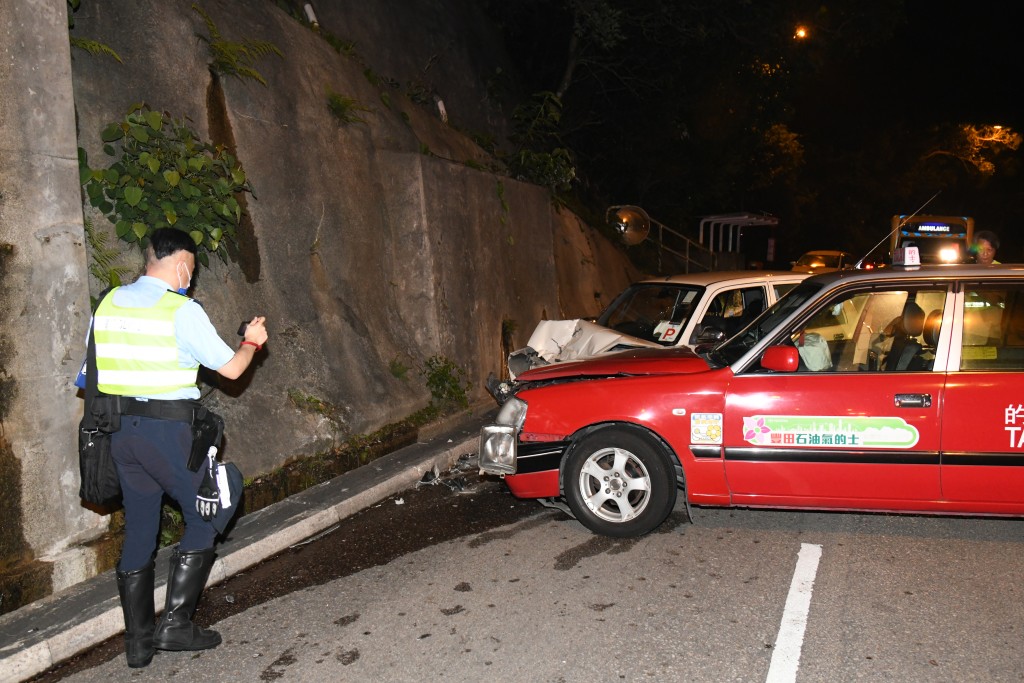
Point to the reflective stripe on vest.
(136, 352)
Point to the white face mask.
(188, 279)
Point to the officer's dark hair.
(988, 236)
(167, 241)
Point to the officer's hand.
(208, 497)
(256, 331)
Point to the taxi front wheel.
(618, 484)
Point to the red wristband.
(252, 344)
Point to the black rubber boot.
(136, 591)
(189, 571)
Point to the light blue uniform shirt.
(198, 341)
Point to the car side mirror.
(781, 359)
(709, 334)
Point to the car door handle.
(913, 400)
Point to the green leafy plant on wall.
(345, 109)
(163, 175)
(541, 157)
(93, 47)
(235, 58)
(172, 526)
(106, 266)
(378, 81)
(398, 369)
(314, 404)
(446, 382)
(340, 45)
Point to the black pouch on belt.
(99, 482)
(207, 431)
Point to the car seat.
(905, 353)
(930, 337)
(932, 325)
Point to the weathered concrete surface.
(375, 245)
(591, 270)
(370, 250)
(43, 303)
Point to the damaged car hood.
(561, 340)
(647, 361)
(558, 341)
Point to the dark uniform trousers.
(151, 456)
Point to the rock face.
(370, 246)
(374, 244)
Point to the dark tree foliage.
(688, 107)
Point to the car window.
(734, 349)
(993, 329)
(656, 312)
(783, 288)
(730, 311)
(876, 330)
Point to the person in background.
(985, 245)
(150, 341)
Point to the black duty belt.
(182, 410)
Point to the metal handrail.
(703, 258)
(633, 224)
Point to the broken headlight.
(498, 441)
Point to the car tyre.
(619, 483)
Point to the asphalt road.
(539, 598)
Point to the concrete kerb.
(49, 631)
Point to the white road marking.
(786, 656)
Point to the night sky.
(875, 120)
(948, 63)
(952, 61)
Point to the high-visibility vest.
(136, 352)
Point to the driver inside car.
(905, 352)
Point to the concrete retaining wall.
(371, 246)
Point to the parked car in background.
(896, 389)
(823, 261)
(676, 311)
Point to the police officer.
(150, 341)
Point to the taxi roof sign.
(908, 256)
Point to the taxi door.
(857, 425)
(983, 425)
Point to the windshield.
(653, 311)
(733, 349)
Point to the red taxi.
(895, 390)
